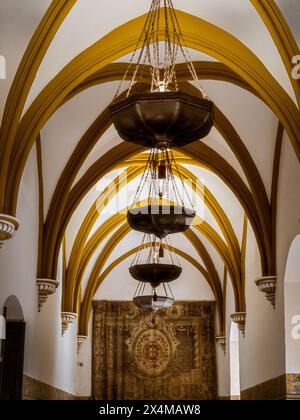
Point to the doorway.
(12, 351)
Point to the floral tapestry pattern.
(138, 356)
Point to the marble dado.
(36, 390)
(293, 386)
(284, 387)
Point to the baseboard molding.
(37, 390)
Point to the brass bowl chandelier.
(154, 267)
(162, 182)
(165, 117)
(160, 120)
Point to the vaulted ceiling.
(62, 74)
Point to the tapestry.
(140, 356)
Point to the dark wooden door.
(12, 364)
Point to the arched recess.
(204, 37)
(13, 309)
(87, 301)
(292, 308)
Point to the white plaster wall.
(255, 123)
(64, 129)
(262, 349)
(292, 308)
(234, 355)
(48, 357)
(18, 257)
(84, 365)
(17, 25)
(291, 11)
(223, 360)
(288, 226)
(53, 357)
(223, 374)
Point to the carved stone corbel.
(240, 319)
(46, 287)
(267, 285)
(80, 340)
(8, 227)
(221, 340)
(67, 318)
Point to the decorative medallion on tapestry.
(153, 348)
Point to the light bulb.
(162, 86)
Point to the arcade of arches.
(66, 179)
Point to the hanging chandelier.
(154, 267)
(163, 184)
(165, 117)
